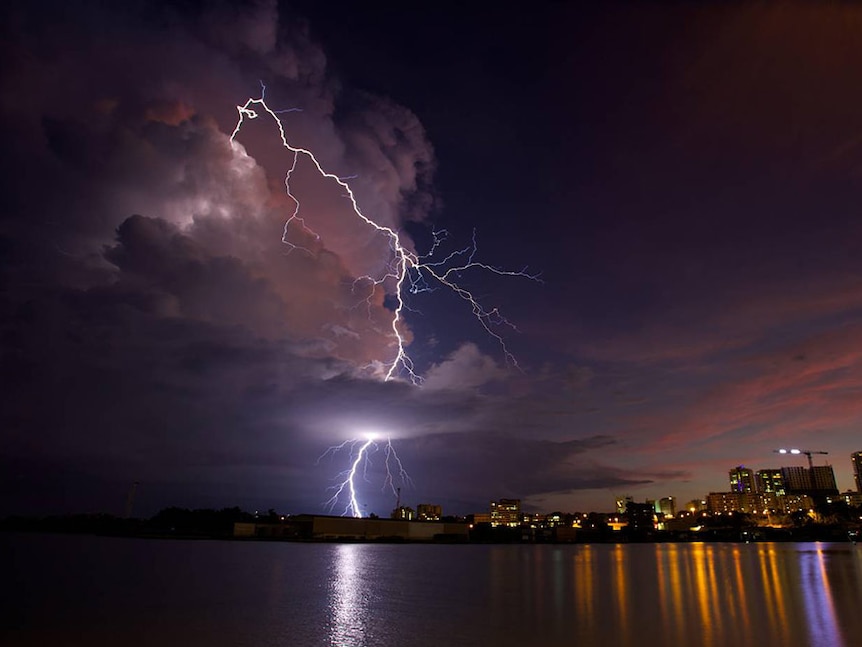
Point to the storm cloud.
(160, 324)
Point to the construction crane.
(808, 453)
(796, 452)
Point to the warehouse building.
(306, 527)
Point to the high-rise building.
(796, 479)
(667, 506)
(856, 457)
(506, 512)
(819, 480)
(742, 480)
(769, 481)
(621, 502)
(823, 479)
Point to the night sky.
(685, 179)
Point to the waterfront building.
(404, 513)
(850, 497)
(724, 502)
(748, 502)
(696, 505)
(617, 522)
(770, 480)
(533, 519)
(742, 479)
(760, 503)
(795, 503)
(640, 516)
(667, 506)
(327, 528)
(621, 502)
(429, 512)
(856, 458)
(506, 512)
(554, 519)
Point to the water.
(70, 590)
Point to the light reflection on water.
(100, 591)
(819, 612)
(676, 594)
(349, 600)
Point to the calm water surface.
(68, 590)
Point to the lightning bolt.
(360, 452)
(409, 272)
(406, 273)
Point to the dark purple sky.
(685, 179)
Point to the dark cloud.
(177, 345)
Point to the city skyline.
(787, 480)
(681, 180)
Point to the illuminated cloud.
(466, 368)
(211, 214)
